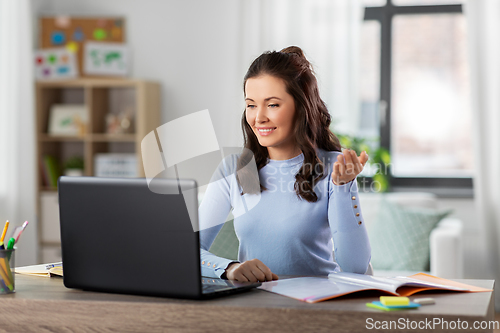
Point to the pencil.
(4, 231)
(4, 263)
(3, 286)
(5, 277)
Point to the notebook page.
(311, 289)
(376, 282)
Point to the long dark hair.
(312, 120)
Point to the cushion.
(399, 236)
(226, 243)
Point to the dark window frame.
(384, 15)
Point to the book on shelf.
(317, 289)
(50, 170)
(44, 174)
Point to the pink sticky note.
(62, 21)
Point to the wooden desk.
(43, 304)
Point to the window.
(419, 100)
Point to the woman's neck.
(283, 154)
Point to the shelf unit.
(101, 96)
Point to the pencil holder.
(7, 277)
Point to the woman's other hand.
(348, 166)
(251, 270)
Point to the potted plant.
(74, 166)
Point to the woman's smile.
(265, 131)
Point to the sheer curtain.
(17, 130)
(483, 18)
(328, 31)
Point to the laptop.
(119, 236)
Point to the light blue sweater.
(289, 235)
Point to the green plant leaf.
(385, 156)
(381, 183)
(74, 162)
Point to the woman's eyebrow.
(267, 99)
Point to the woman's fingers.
(336, 172)
(268, 275)
(349, 166)
(247, 273)
(363, 158)
(361, 161)
(340, 159)
(358, 167)
(258, 274)
(239, 276)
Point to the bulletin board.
(72, 32)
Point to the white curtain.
(328, 31)
(483, 18)
(17, 130)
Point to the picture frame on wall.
(106, 59)
(55, 64)
(67, 120)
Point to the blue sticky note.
(63, 70)
(58, 38)
(78, 35)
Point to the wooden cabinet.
(100, 97)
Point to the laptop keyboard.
(212, 285)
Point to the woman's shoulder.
(327, 157)
(229, 163)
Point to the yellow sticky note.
(394, 300)
(72, 47)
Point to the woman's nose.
(261, 117)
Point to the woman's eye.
(250, 106)
(273, 105)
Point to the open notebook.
(40, 270)
(315, 289)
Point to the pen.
(21, 230)
(57, 264)
(4, 231)
(18, 231)
(10, 244)
(2, 246)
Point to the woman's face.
(270, 112)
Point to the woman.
(306, 189)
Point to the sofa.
(445, 240)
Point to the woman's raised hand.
(251, 270)
(346, 171)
